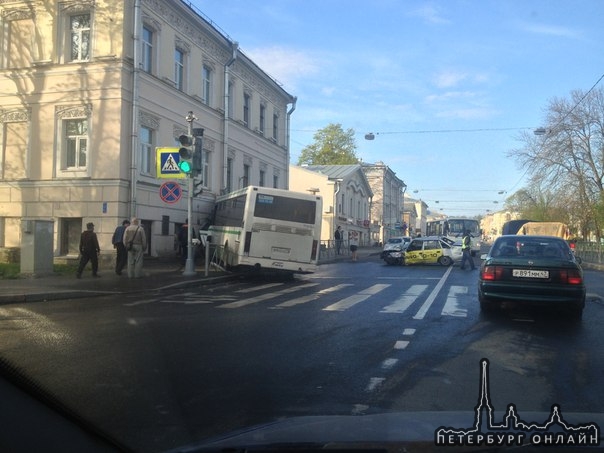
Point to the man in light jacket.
(135, 242)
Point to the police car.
(433, 250)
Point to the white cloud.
(430, 14)
(550, 30)
(285, 65)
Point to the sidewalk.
(159, 273)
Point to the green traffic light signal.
(185, 153)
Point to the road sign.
(167, 163)
(170, 192)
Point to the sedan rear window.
(530, 248)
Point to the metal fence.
(329, 250)
(590, 252)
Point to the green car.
(539, 271)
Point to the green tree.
(332, 146)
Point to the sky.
(447, 87)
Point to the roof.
(334, 171)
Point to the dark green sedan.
(539, 271)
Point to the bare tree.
(568, 158)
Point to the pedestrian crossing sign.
(167, 163)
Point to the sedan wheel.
(445, 261)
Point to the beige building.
(419, 216)
(90, 88)
(346, 198)
(388, 203)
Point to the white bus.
(266, 228)
(453, 228)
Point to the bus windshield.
(457, 227)
(285, 208)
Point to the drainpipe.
(287, 145)
(135, 107)
(335, 201)
(225, 130)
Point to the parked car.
(532, 270)
(393, 248)
(433, 250)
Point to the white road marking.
(453, 305)
(401, 344)
(311, 297)
(430, 300)
(350, 301)
(263, 297)
(402, 303)
(374, 383)
(389, 363)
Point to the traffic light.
(197, 160)
(186, 154)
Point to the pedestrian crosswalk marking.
(259, 288)
(452, 305)
(263, 297)
(350, 301)
(311, 297)
(432, 297)
(402, 303)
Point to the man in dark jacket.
(118, 244)
(89, 251)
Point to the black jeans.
(122, 257)
(89, 256)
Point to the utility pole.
(190, 263)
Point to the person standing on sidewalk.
(89, 251)
(353, 240)
(466, 250)
(338, 238)
(135, 241)
(118, 244)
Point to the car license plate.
(529, 273)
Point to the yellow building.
(346, 196)
(89, 89)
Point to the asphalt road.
(165, 369)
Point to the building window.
(275, 126)
(19, 41)
(76, 143)
(246, 109)
(246, 175)
(206, 89)
(230, 100)
(146, 145)
(179, 69)
(262, 178)
(79, 26)
(147, 51)
(229, 175)
(275, 181)
(205, 170)
(262, 117)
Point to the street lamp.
(369, 136)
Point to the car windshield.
(527, 247)
(257, 225)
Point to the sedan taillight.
(571, 276)
(491, 273)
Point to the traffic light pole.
(190, 263)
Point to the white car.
(394, 248)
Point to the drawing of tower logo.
(514, 431)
